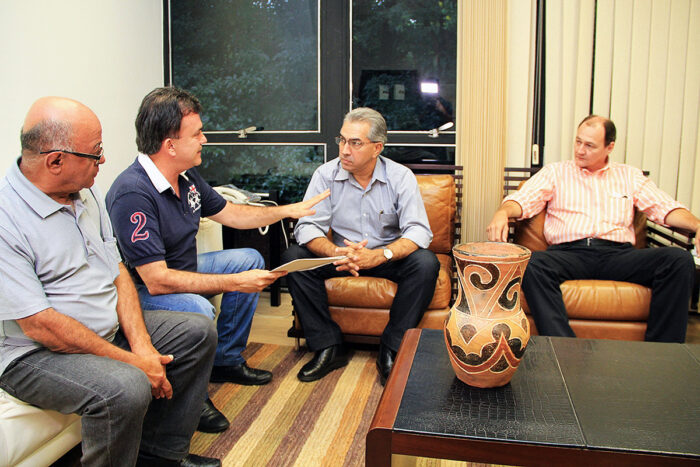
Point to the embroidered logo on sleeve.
(194, 198)
(139, 219)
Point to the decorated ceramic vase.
(486, 331)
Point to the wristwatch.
(388, 254)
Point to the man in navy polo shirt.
(155, 206)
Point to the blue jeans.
(237, 308)
(119, 416)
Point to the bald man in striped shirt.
(590, 205)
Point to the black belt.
(592, 242)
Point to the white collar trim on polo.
(157, 178)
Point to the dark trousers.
(119, 416)
(669, 272)
(415, 276)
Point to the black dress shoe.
(323, 362)
(193, 460)
(148, 460)
(211, 420)
(385, 362)
(240, 374)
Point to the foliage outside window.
(251, 63)
(262, 168)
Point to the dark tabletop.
(636, 396)
(694, 351)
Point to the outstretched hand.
(303, 208)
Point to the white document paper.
(307, 263)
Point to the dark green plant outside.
(254, 63)
(260, 168)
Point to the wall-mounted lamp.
(436, 131)
(243, 133)
(429, 87)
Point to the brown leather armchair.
(599, 309)
(360, 305)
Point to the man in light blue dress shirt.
(378, 220)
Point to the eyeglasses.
(354, 143)
(94, 157)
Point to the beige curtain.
(569, 56)
(520, 78)
(647, 79)
(481, 110)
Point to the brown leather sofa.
(360, 305)
(597, 309)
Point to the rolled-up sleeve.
(653, 201)
(535, 192)
(317, 225)
(413, 220)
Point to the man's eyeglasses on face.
(94, 157)
(354, 143)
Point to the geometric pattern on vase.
(486, 331)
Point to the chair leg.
(295, 331)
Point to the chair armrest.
(659, 236)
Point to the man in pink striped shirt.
(590, 208)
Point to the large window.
(276, 77)
(252, 63)
(404, 61)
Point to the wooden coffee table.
(571, 402)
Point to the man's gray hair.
(45, 135)
(377, 124)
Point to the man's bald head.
(50, 123)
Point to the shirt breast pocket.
(620, 210)
(388, 223)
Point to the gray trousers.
(119, 415)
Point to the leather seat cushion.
(377, 293)
(439, 197)
(594, 329)
(372, 321)
(604, 300)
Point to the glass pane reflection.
(250, 63)
(262, 168)
(421, 154)
(404, 61)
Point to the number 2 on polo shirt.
(139, 219)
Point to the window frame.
(334, 89)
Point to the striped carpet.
(287, 422)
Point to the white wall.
(106, 54)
